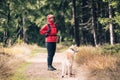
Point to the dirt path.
(38, 69)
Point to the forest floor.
(38, 69)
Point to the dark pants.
(51, 48)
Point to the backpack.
(49, 28)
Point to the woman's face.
(52, 19)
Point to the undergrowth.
(111, 49)
(103, 62)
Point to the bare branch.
(88, 22)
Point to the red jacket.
(52, 35)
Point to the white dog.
(67, 62)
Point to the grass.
(92, 57)
(20, 72)
(5, 69)
(8, 64)
(37, 51)
(111, 49)
(18, 49)
(60, 47)
(10, 58)
(24, 49)
(12, 68)
(103, 66)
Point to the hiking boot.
(51, 68)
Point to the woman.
(50, 31)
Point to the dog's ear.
(72, 46)
(75, 45)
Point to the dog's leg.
(68, 70)
(63, 69)
(71, 70)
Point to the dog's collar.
(73, 50)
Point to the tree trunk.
(6, 32)
(93, 23)
(76, 27)
(111, 26)
(24, 30)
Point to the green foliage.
(19, 18)
(105, 22)
(34, 36)
(113, 3)
(109, 49)
(117, 18)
